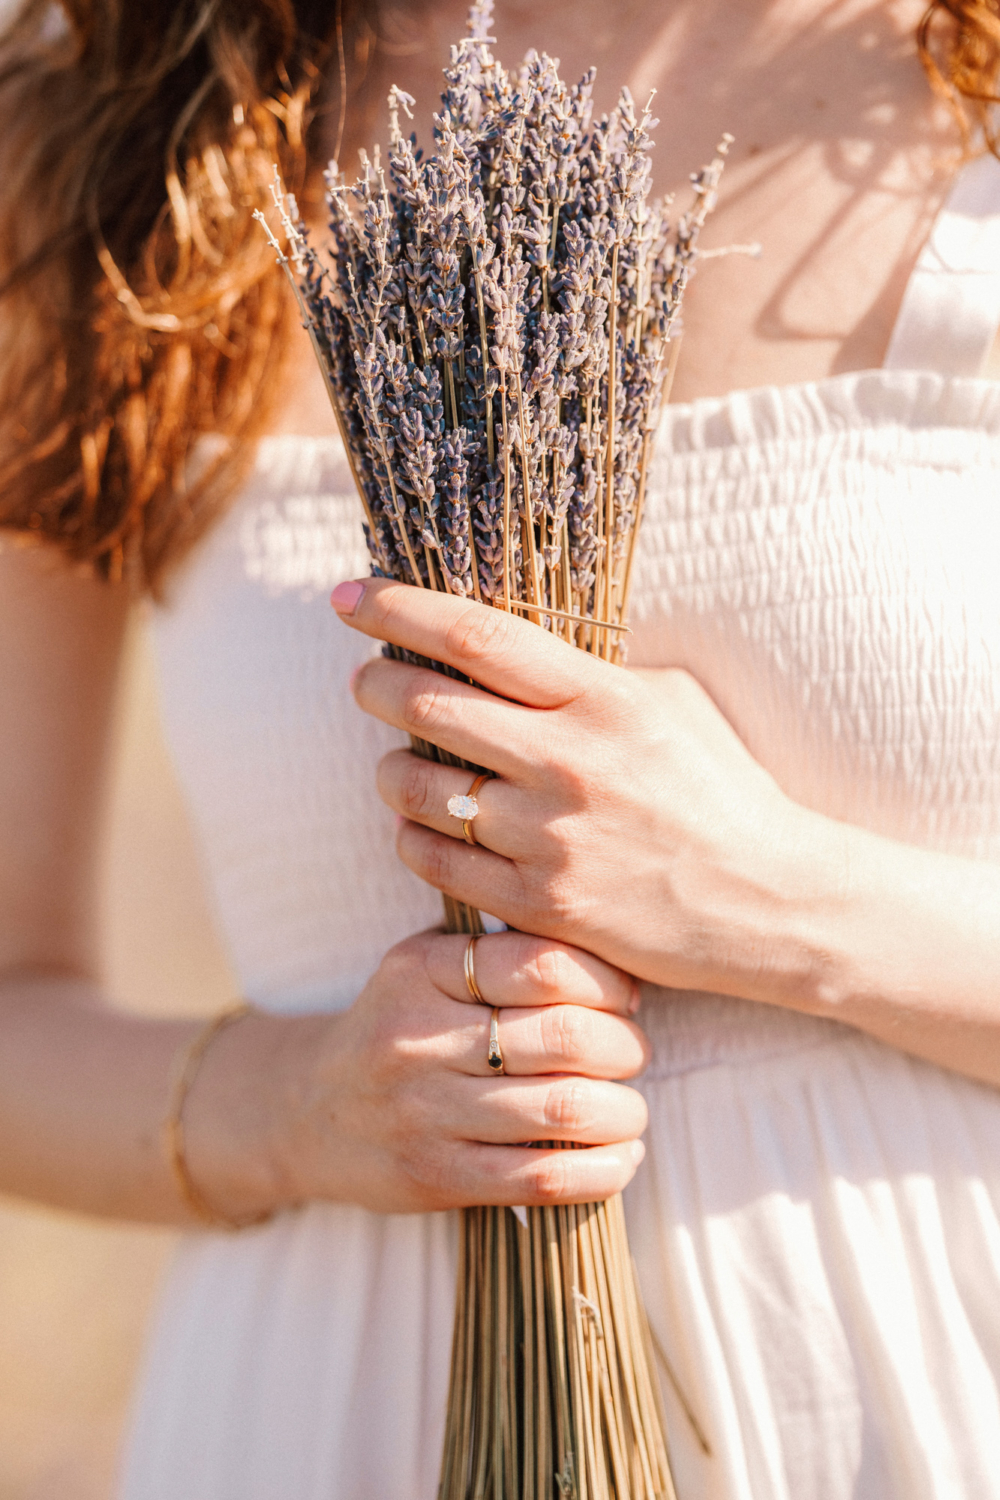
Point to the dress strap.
(951, 308)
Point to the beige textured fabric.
(817, 1223)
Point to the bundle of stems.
(496, 324)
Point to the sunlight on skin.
(840, 162)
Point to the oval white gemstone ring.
(466, 808)
(462, 807)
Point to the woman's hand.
(392, 1105)
(627, 818)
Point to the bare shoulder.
(50, 609)
(61, 635)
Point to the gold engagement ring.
(466, 808)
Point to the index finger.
(501, 652)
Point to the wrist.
(879, 927)
(909, 948)
(240, 1116)
(821, 898)
(791, 919)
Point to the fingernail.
(346, 596)
(638, 1151)
(400, 820)
(636, 999)
(353, 678)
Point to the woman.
(802, 787)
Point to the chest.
(840, 161)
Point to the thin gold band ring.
(469, 964)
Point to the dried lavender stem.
(567, 579)
(560, 614)
(543, 1467)
(529, 525)
(609, 493)
(601, 560)
(679, 1392)
(577, 1350)
(449, 386)
(563, 1433)
(384, 455)
(506, 493)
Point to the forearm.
(85, 1091)
(901, 942)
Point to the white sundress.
(817, 1221)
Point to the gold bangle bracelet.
(188, 1063)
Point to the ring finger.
(555, 1040)
(420, 790)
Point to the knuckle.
(572, 781)
(565, 902)
(550, 1178)
(405, 957)
(394, 967)
(549, 966)
(566, 1106)
(618, 696)
(436, 867)
(477, 633)
(415, 790)
(566, 1035)
(424, 706)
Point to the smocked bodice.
(824, 560)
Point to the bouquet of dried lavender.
(495, 325)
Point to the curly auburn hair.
(962, 60)
(141, 308)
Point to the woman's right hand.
(392, 1105)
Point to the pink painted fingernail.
(346, 596)
(636, 999)
(400, 820)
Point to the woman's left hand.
(626, 816)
